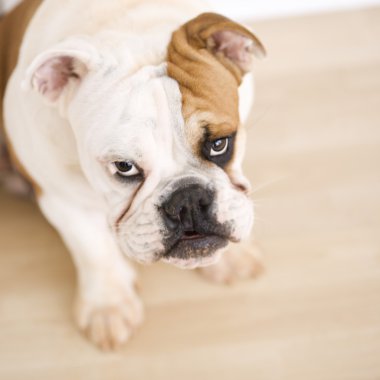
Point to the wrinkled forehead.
(139, 111)
(143, 98)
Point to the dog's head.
(162, 144)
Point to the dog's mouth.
(195, 245)
(192, 235)
(194, 250)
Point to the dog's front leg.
(107, 308)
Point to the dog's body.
(131, 137)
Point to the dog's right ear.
(229, 42)
(60, 69)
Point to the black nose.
(188, 208)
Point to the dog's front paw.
(109, 323)
(240, 261)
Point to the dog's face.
(163, 145)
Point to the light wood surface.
(314, 159)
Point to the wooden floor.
(314, 157)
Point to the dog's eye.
(126, 168)
(219, 151)
(219, 147)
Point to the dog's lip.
(197, 243)
(193, 263)
(192, 235)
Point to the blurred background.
(256, 9)
(313, 156)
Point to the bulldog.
(127, 119)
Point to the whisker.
(267, 184)
(258, 203)
(250, 124)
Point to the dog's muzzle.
(192, 230)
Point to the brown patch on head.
(208, 57)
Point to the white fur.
(123, 106)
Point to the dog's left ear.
(60, 69)
(231, 43)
